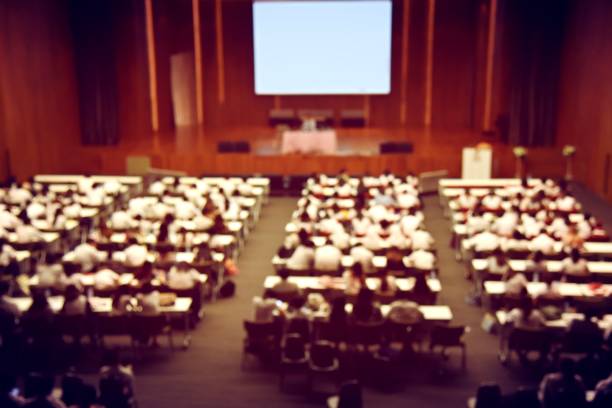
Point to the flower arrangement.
(569, 150)
(520, 151)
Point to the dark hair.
(538, 256)
(71, 293)
(338, 310)
(420, 284)
(364, 306)
(39, 300)
(575, 255)
(5, 287)
(567, 367)
(283, 274)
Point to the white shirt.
(9, 220)
(410, 223)
(85, 184)
(112, 187)
(122, 220)
(301, 258)
(27, 233)
(506, 224)
(485, 241)
(157, 188)
(7, 254)
(340, 239)
(422, 260)
(36, 210)
(361, 225)
(19, 195)
(542, 243)
(327, 258)
(135, 255)
(566, 203)
(106, 279)
(372, 240)
(476, 224)
(407, 200)
(364, 256)
(185, 210)
(180, 280)
(86, 255)
(421, 240)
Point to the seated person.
(536, 264)
(364, 256)
(265, 309)
(497, 263)
(75, 303)
(563, 388)
(182, 277)
(422, 239)
(39, 314)
(365, 310)
(219, 227)
(148, 299)
(288, 247)
(422, 260)
(51, 276)
(603, 393)
(135, 254)
(525, 315)
(123, 300)
(26, 233)
(572, 239)
(297, 309)
(121, 376)
(7, 254)
(515, 282)
(284, 288)
(543, 243)
(354, 279)
(395, 259)
(121, 220)
(575, 265)
(484, 241)
(105, 279)
(404, 312)
(327, 257)
(8, 383)
(387, 285)
(87, 255)
(41, 387)
(303, 256)
(6, 304)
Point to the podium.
(477, 163)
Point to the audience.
(563, 389)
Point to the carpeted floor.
(209, 373)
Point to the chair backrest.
(294, 347)
(582, 336)
(350, 395)
(300, 326)
(367, 333)
(260, 330)
(447, 335)
(323, 353)
(526, 339)
(488, 396)
(114, 393)
(524, 398)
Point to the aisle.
(208, 374)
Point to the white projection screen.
(316, 47)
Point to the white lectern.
(477, 163)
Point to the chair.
(325, 330)
(488, 395)
(294, 357)
(445, 337)
(526, 340)
(114, 393)
(261, 339)
(581, 337)
(323, 361)
(74, 326)
(366, 335)
(348, 397)
(145, 327)
(523, 398)
(299, 326)
(593, 306)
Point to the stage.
(194, 151)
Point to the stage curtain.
(92, 35)
(536, 28)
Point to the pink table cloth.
(318, 141)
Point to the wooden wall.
(585, 116)
(38, 96)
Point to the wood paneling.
(586, 91)
(38, 96)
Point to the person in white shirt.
(484, 242)
(148, 299)
(506, 224)
(575, 265)
(492, 202)
(466, 200)
(75, 303)
(543, 243)
(7, 254)
(360, 224)
(476, 223)
(327, 257)
(87, 255)
(303, 256)
(95, 197)
(411, 222)
(373, 240)
(341, 240)
(157, 188)
(516, 283)
(106, 279)
(73, 211)
(26, 233)
(363, 256)
(36, 210)
(422, 260)
(407, 200)
(185, 210)
(8, 220)
(135, 254)
(51, 276)
(559, 227)
(19, 196)
(112, 187)
(566, 203)
(422, 239)
(182, 277)
(121, 220)
(85, 184)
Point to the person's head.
(5, 287)
(147, 268)
(39, 385)
(147, 288)
(304, 217)
(575, 255)
(132, 241)
(357, 270)
(420, 284)
(182, 266)
(71, 293)
(538, 256)
(297, 302)
(338, 309)
(384, 224)
(567, 367)
(39, 300)
(364, 303)
(90, 241)
(111, 358)
(283, 274)
(384, 281)
(499, 256)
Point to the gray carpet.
(209, 373)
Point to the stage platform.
(194, 150)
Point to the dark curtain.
(92, 35)
(536, 28)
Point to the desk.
(319, 283)
(568, 290)
(319, 141)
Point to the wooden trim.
(220, 54)
(431, 17)
(277, 101)
(197, 54)
(366, 109)
(404, 68)
(152, 65)
(486, 120)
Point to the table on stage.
(316, 141)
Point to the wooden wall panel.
(38, 97)
(586, 91)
